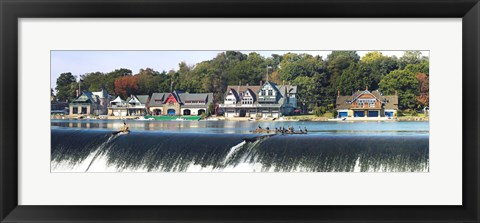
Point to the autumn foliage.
(126, 86)
(423, 83)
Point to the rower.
(124, 128)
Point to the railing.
(80, 104)
(250, 105)
(126, 106)
(117, 106)
(367, 107)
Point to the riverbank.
(311, 118)
(325, 118)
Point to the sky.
(82, 62)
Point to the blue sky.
(81, 62)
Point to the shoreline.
(244, 119)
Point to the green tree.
(296, 65)
(307, 91)
(148, 81)
(211, 108)
(374, 66)
(352, 79)
(248, 71)
(336, 63)
(405, 84)
(93, 81)
(66, 87)
(411, 57)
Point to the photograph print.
(239, 111)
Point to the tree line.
(319, 80)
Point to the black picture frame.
(12, 10)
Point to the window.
(362, 102)
(248, 101)
(263, 93)
(270, 92)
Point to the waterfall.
(150, 151)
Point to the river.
(229, 146)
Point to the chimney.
(338, 93)
(76, 92)
(395, 92)
(261, 83)
(366, 88)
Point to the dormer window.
(270, 92)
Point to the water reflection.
(242, 127)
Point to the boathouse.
(180, 103)
(88, 103)
(367, 105)
(135, 105)
(267, 100)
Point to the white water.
(98, 162)
(233, 150)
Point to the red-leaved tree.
(423, 82)
(126, 86)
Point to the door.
(372, 113)
(242, 113)
(358, 114)
(171, 112)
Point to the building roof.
(343, 102)
(207, 97)
(392, 101)
(255, 88)
(234, 92)
(157, 99)
(85, 97)
(118, 100)
(176, 94)
(101, 94)
(273, 84)
(142, 98)
(252, 94)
